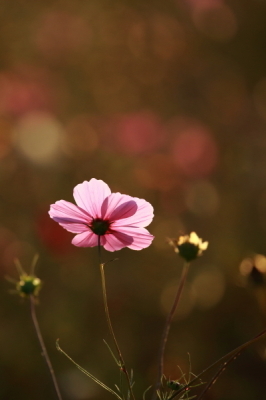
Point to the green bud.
(174, 385)
(28, 285)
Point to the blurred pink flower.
(114, 220)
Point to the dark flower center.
(28, 285)
(99, 226)
(188, 251)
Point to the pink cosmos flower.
(113, 220)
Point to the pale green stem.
(121, 359)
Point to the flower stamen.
(99, 226)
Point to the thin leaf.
(112, 354)
(11, 280)
(229, 356)
(19, 267)
(144, 394)
(117, 387)
(217, 374)
(34, 262)
(131, 378)
(121, 375)
(87, 373)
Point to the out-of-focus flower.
(194, 149)
(254, 269)
(51, 235)
(189, 247)
(27, 88)
(28, 284)
(112, 220)
(135, 133)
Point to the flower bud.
(28, 285)
(174, 385)
(253, 270)
(189, 247)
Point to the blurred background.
(164, 101)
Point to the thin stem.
(87, 373)
(121, 359)
(230, 356)
(217, 374)
(44, 351)
(168, 325)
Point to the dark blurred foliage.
(163, 100)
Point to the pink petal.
(90, 196)
(74, 228)
(117, 206)
(116, 241)
(141, 238)
(85, 239)
(142, 217)
(69, 216)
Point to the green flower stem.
(44, 351)
(168, 325)
(122, 362)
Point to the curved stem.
(217, 374)
(121, 359)
(230, 356)
(168, 325)
(44, 351)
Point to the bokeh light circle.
(37, 136)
